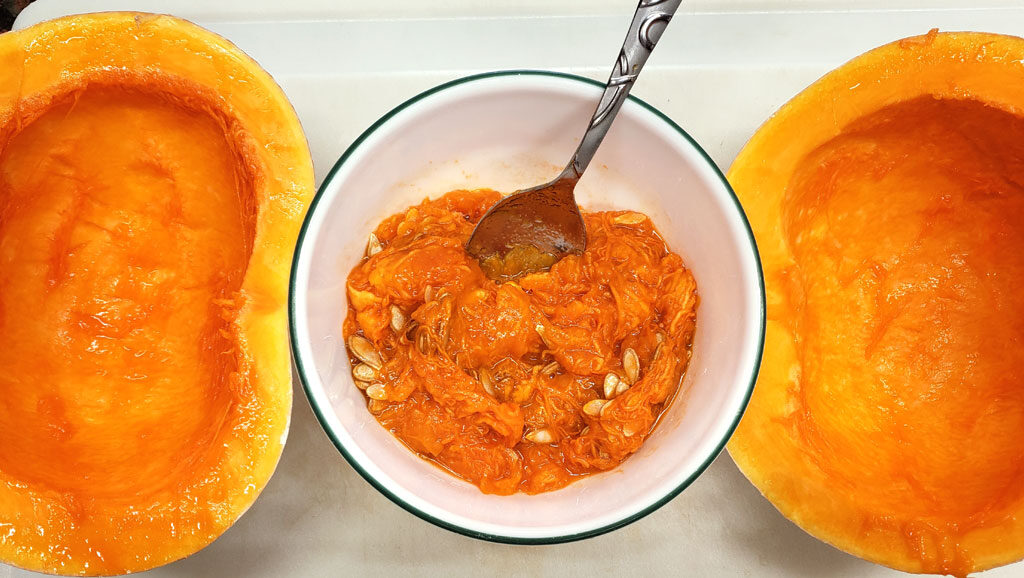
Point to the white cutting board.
(722, 67)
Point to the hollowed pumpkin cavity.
(125, 218)
(906, 231)
(888, 204)
(152, 181)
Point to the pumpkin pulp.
(491, 381)
(126, 225)
(906, 230)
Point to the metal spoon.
(533, 228)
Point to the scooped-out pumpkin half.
(152, 182)
(887, 201)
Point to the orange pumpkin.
(888, 205)
(152, 182)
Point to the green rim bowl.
(506, 131)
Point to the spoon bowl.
(530, 230)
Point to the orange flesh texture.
(152, 184)
(889, 412)
(125, 229)
(915, 214)
(623, 292)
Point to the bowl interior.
(508, 132)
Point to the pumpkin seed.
(397, 318)
(485, 380)
(629, 218)
(611, 384)
(540, 436)
(373, 245)
(657, 350)
(362, 384)
(540, 331)
(377, 406)
(631, 365)
(605, 407)
(550, 368)
(594, 407)
(423, 341)
(364, 350)
(428, 293)
(363, 372)
(410, 330)
(377, 391)
(628, 431)
(621, 389)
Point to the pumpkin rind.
(974, 74)
(68, 525)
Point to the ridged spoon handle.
(649, 22)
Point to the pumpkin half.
(887, 201)
(152, 182)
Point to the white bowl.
(506, 131)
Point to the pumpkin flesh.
(888, 412)
(124, 266)
(909, 305)
(148, 209)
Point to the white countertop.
(721, 69)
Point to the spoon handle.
(649, 22)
